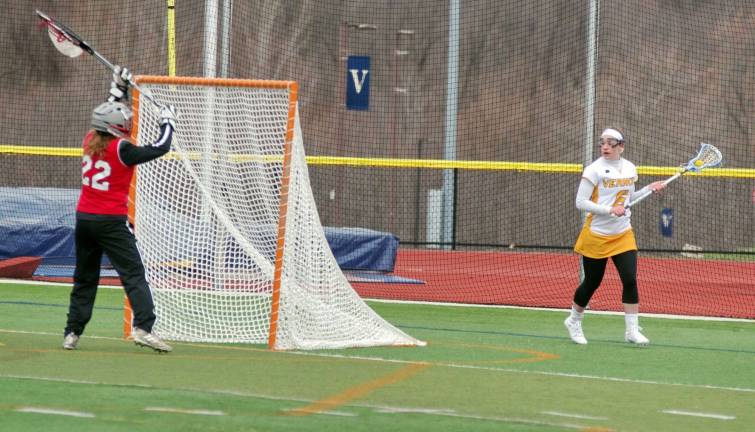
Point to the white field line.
(55, 334)
(185, 411)
(667, 316)
(504, 419)
(577, 416)
(588, 311)
(338, 414)
(61, 284)
(395, 410)
(523, 372)
(699, 414)
(32, 282)
(150, 387)
(54, 411)
(377, 408)
(437, 364)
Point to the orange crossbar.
(214, 82)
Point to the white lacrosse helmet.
(113, 118)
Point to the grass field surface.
(484, 369)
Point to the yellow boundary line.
(40, 151)
(538, 167)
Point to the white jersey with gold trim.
(613, 182)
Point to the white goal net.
(228, 228)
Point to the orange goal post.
(228, 228)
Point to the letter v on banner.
(358, 83)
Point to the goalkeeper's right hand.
(121, 76)
(168, 116)
(119, 85)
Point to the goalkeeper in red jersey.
(102, 214)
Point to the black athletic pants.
(626, 264)
(94, 235)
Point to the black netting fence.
(470, 131)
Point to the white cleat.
(575, 331)
(70, 341)
(150, 340)
(634, 336)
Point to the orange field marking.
(536, 356)
(360, 390)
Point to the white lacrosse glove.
(121, 76)
(168, 116)
(117, 93)
(119, 85)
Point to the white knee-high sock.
(576, 316)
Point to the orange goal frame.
(293, 90)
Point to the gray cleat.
(70, 341)
(150, 340)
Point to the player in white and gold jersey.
(607, 185)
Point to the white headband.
(613, 133)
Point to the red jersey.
(105, 181)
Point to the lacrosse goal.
(228, 228)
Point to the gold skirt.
(594, 245)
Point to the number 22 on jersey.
(99, 178)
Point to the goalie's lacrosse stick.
(708, 156)
(72, 45)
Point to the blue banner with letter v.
(358, 83)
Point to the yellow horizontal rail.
(537, 167)
(40, 151)
(560, 168)
(445, 164)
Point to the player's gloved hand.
(119, 85)
(121, 76)
(168, 116)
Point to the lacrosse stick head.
(61, 39)
(708, 156)
(63, 44)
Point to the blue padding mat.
(40, 222)
(362, 249)
(365, 277)
(37, 222)
(66, 271)
(61, 271)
